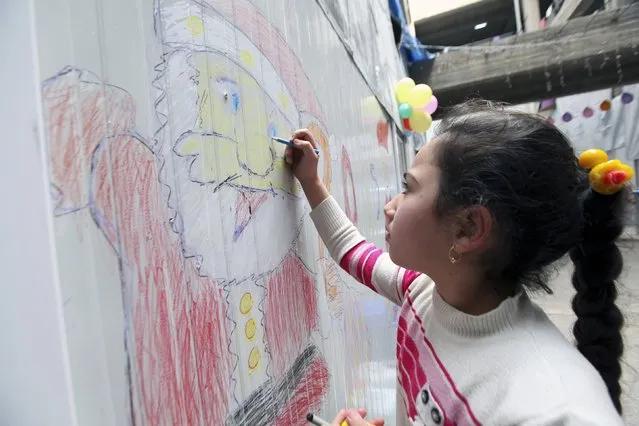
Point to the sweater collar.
(493, 322)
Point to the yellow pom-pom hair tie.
(606, 177)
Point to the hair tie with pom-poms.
(606, 177)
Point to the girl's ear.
(472, 227)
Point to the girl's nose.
(389, 209)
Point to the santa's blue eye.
(236, 101)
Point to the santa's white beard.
(227, 248)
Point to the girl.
(489, 205)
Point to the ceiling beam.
(464, 16)
(585, 54)
(570, 9)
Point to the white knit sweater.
(510, 366)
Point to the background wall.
(194, 288)
(614, 130)
(33, 356)
(599, 120)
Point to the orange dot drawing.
(322, 140)
(605, 105)
(246, 303)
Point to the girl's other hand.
(355, 418)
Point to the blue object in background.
(410, 48)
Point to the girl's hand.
(355, 418)
(303, 159)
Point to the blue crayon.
(289, 143)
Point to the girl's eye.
(405, 184)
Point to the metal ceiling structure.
(457, 27)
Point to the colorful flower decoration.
(606, 176)
(416, 104)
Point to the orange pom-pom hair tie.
(606, 176)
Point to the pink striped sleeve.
(408, 278)
(372, 267)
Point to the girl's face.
(417, 238)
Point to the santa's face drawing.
(229, 183)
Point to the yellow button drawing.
(254, 358)
(249, 329)
(246, 303)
